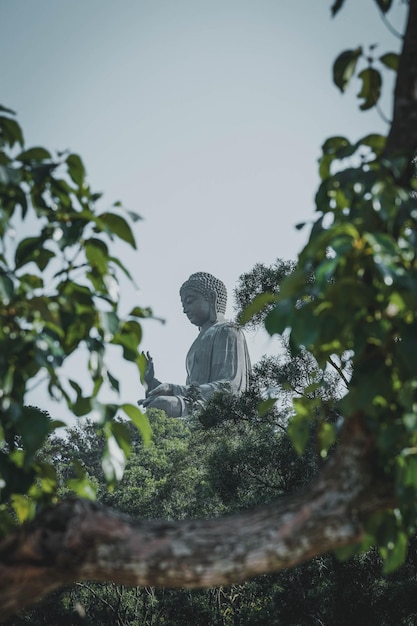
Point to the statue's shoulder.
(227, 327)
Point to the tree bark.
(402, 137)
(80, 540)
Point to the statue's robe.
(218, 360)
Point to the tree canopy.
(350, 300)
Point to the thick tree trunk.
(402, 137)
(79, 540)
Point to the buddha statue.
(218, 360)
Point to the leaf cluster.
(362, 254)
(59, 296)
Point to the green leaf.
(82, 485)
(114, 383)
(258, 304)
(129, 337)
(327, 437)
(113, 460)
(135, 217)
(394, 555)
(280, 317)
(76, 169)
(110, 323)
(82, 406)
(299, 426)
(6, 110)
(139, 419)
(333, 144)
(11, 131)
(11, 176)
(6, 289)
(371, 87)
(26, 249)
(265, 406)
(33, 154)
(375, 142)
(24, 507)
(344, 67)
(97, 254)
(114, 224)
(140, 312)
(41, 172)
(34, 427)
(390, 60)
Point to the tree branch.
(80, 540)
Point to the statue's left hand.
(164, 389)
(170, 404)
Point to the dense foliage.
(191, 470)
(59, 291)
(352, 298)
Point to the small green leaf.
(375, 142)
(110, 323)
(76, 169)
(6, 110)
(11, 131)
(280, 317)
(140, 312)
(33, 154)
(344, 67)
(6, 289)
(395, 554)
(299, 426)
(83, 487)
(135, 217)
(333, 144)
(327, 437)
(265, 406)
(24, 507)
(114, 459)
(259, 303)
(31, 249)
(390, 60)
(371, 87)
(116, 225)
(34, 426)
(139, 419)
(97, 254)
(114, 383)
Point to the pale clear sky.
(206, 117)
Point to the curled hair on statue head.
(207, 285)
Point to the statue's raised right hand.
(149, 371)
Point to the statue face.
(196, 307)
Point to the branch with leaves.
(362, 253)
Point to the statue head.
(211, 288)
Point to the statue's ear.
(212, 306)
